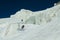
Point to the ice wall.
(38, 17)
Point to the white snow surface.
(39, 25)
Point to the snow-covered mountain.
(39, 25)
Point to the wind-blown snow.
(40, 25)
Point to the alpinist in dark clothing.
(22, 27)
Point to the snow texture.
(39, 25)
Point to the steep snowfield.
(40, 25)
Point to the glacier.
(39, 25)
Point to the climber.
(22, 27)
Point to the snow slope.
(40, 25)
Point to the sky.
(10, 7)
